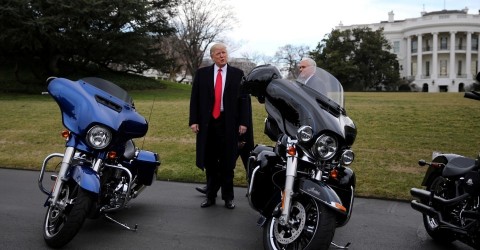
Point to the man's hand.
(194, 128)
(242, 130)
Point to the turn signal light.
(65, 134)
(292, 151)
(340, 207)
(112, 155)
(334, 174)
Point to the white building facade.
(437, 52)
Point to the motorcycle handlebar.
(472, 95)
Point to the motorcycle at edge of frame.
(302, 186)
(450, 202)
(101, 169)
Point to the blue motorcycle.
(101, 169)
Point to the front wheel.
(312, 227)
(62, 222)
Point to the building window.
(474, 42)
(460, 44)
(443, 42)
(459, 71)
(443, 67)
(414, 46)
(427, 45)
(427, 68)
(474, 68)
(396, 47)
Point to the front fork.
(291, 174)
(61, 178)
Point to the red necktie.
(218, 95)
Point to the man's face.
(303, 65)
(305, 69)
(220, 56)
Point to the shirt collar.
(224, 68)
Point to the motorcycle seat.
(459, 166)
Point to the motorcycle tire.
(314, 227)
(61, 225)
(432, 225)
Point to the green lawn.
(395, 130)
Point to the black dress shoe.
(207, 203)
(202, 190)
(229, 204)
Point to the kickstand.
(340, 247)
(121, 224)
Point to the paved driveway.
(169, 216)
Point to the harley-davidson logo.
(313, 190)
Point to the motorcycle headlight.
(347, 157)
(305, 133)
(98, 137)
(326, 147)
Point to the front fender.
(86, 178)
(323, 193)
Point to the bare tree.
(288, 57)
(198, 24)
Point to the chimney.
(390, 17)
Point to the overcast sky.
(265, 25)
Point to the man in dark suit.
(218, 115)
(245, 143)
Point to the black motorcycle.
(302, 186)
(450, 204)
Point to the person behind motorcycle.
(307, 68)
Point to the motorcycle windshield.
(323, 83)
(90, 101)
(315, 99)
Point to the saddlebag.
(145, 165)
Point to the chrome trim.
(42, 171)
(250, 187)
(129, 196)
(290, 174)
(66, 162)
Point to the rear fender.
(433, 172)
(86, 178)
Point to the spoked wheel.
(64, 219)
(439, 188)
(312, 227)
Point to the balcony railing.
(444, 48)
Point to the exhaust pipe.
(430, 211)
(424, 209)
(427, 195)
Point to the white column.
(451, 69)
(468, 67)
(409, 56)
(419, 56)
(435, 56)
(478, 53)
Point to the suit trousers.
(219, 173)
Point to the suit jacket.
(235, 110)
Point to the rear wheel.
(312, 227)
(62, 222)
(432, 225)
